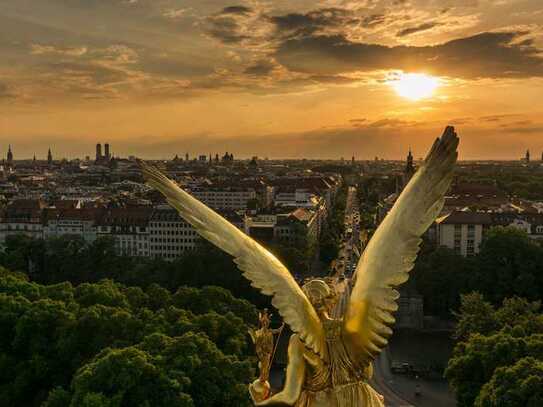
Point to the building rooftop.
(465, 218)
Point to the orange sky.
(269, 78)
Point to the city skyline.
(315, 79)
(527, 156)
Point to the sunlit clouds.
(335, 77)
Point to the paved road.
(399, 390)
(383, 382)
(347, 259)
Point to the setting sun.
(414, 86)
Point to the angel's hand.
(259, 391)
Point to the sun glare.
(414, 86)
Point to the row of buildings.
(463, 231)
(280, 210)
(470, 210)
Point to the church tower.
(10, 157)
(98, 152)
(49, 157)
(409, 169)
(106, 152)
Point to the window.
(457, 230)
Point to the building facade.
(462, 231)
(169, 235)
(229, 197)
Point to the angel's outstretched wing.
(392, 251)
(261, 267)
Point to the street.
(349, 252)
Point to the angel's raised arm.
(259, 266)
(392, 251)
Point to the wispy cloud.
(417, 29)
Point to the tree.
(216, 380)
(474, 362)
(491, 342)
(329, 247)
(520, 313)
(517, 385)
(106, 344)
(509, 264)
(127, 377)
(476, 316)
(440, 275)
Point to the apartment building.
(71, 221)
(225, 197)
(462, 231)
(129, 227)
(22, 217)
(169, 235)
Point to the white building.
(169, 235)
(230, 197)
(74, 222)
(296, 197)
(462, 231)
(130, 229)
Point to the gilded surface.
(330, 358)
(263, 339)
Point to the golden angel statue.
(330, 359)
(263, 338)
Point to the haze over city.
(316, 79)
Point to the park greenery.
(498, 360)
(107, 344)
(70, 258)
(509, 264)
(84, 326)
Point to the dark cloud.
(319, 43)
(373, 20)
(236, 10)
(260, 68)
(239, 26)
(485, 55)
(416, 29)
(320, 20)
(226, 29)
(392, 123)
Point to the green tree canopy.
(491, 343)
(517, 385)
(105, 344)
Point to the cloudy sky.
(269, 78)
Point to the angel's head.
(318, 293)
